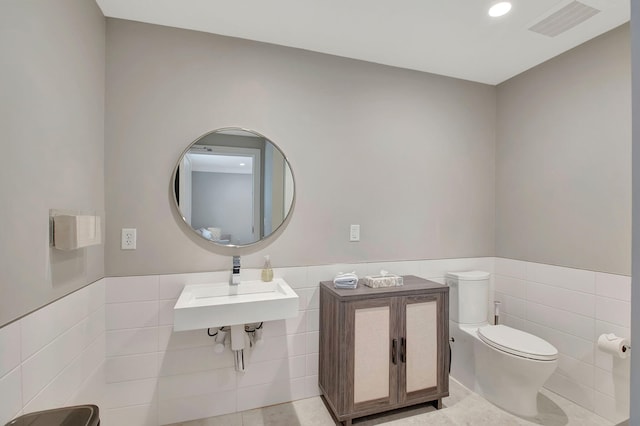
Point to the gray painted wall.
(409, 156)
(563, 159)
(52, 57)
(635, 281)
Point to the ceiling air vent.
(564, 19)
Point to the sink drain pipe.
(237, 346)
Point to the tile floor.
(462, 407)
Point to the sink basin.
(220, 304)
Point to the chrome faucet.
(235, 272)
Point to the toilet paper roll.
(614, 345)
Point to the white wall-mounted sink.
(220, 304)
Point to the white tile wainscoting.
(54, 356)
(570, 308)
(157, 376)
(112, 343)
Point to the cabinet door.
(421, 354)
(371, 374)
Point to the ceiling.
(221, 163)
(455, 38)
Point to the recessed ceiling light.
(242, 164)
(499, 9)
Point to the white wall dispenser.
(71, 231)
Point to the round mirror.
(233, 187)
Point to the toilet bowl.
(505, 365)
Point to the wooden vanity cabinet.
(383, 348)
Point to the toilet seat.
(518, 343)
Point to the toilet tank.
(469, 296)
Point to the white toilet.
(504, 365)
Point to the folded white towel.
(348, 280)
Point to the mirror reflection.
(233, 187)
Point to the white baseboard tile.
(576, 370)
(313, 361)
(311, 387)
(258, 373)
(92, 390)
(581, 395)
(10, 344)
(615, 384)
(136, 415)
(197, 384)
(615, 410)
(11, 389)
(196, 407)
(133, 392)
(271, 393)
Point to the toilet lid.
(469, 275)
(517, 342)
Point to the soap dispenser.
(267, 272)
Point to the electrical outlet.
(354, 233)
(128, 241)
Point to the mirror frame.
(176, 205)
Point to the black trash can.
(79, 415)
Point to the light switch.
(354, 233)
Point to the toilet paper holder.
(614, 345)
